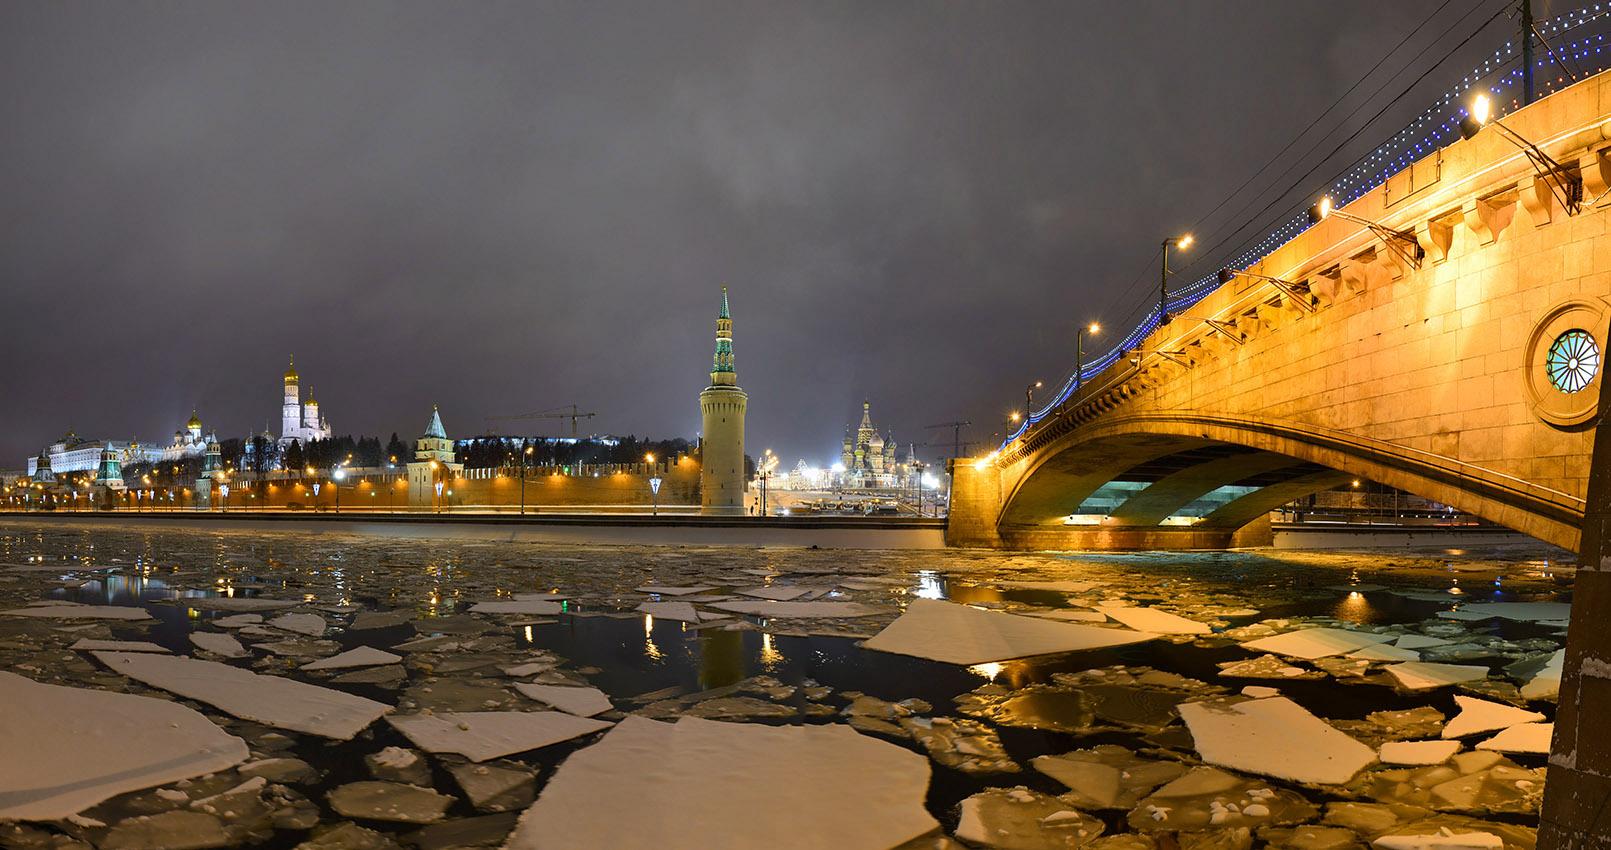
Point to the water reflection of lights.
(770, 658)
(528, 634)
(989, 671)
(930, 585)
(648, 624)
(1354, 608)
(649, 647)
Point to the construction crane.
(956, 435)
(575, 414)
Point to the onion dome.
(290, 373)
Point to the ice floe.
(1443, 839)
(679, 611)
(76, 611)
(274, 700)
(961, 634)
(529, 607)
(783, 610)
(66, 749)
(582, 702)
(1420, 675)
(482, 735)
(1418, 752)
(1274, 737)
(1525, 738)
(1522, 611)
(638, 786)
(389, 801)
(673, 591)
(358, 656)
(90, 645)
(311, 625)
(1154, 621)
(1021, 819)
(1316, 643)
(1480, 715)
(1107, 776)
(219, 644)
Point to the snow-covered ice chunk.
(781, 610)
(1420, 675)
(273, 700)
(1021, 818)
(1385, 652)
(358, 656)
(1480, 715)
(312, 625)
(1274, 737)
(1420, 642)
(1154, 621)
(1070, 615)
(1522, 611)
(680, 611)
(1443, 839)
(238, 621)
(90, 645)
(235, 603)
(1546, 682)
(481, 735)
(672, 591)
(1418, 752)
(66, 749)
(781, 593)
(961, 634)
(529, 607)
(1526, 738)
(582, 702)
(76, 611)
(219, 643)
(389, 801)
(1058, 586)
(637, 786)
(1316, 643)
(1107, 776)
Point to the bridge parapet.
(1352, 352)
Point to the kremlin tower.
(721, 405)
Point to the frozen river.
(338, 691)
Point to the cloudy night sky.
(500, 208)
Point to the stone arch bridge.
(1411, 353)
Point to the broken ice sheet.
(219, 643)
(1418, 752)
(1522, 611)
(1058, 586)
(679, 611)
(358, 656)
(481, 735)
(88, 644)
(76, 611)
(1107, 776)
(312, 625)
(1546, 683)
(389, 801)
(1480, 715)
(1421, 675)
(1525, 738)
(672, 591)
(637, 787)
(234, 603)
(274, 700)
(1022, 819)
(1209, 797)
(776, 610)
(1316, 643)
(66, 749)
(1274, 737)
(529, 607)
(1154, 621)
(960, 634)
(1266, 667)
(582, 702)
(778, 593)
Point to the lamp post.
(654, 483)
(1566, 186)
(1182, 243)
(524, 456)
(1079, 352)
(1029, 397)
(335, 485)
(768, 462)
(1400, 242)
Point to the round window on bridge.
(1572, 361)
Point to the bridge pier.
(1577, 797)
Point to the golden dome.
(194, 422)
(290, 374)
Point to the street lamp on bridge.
(1029, 397)
(1182, 243)
(1565, 186)
(1079, 351)
(1400, 242)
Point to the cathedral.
(186, 443)
(868, 459)
(300, 422)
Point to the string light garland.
(1499, 76)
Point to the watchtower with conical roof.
(722, 406)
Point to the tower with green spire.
(722, 406)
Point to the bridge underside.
(1190, 482)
